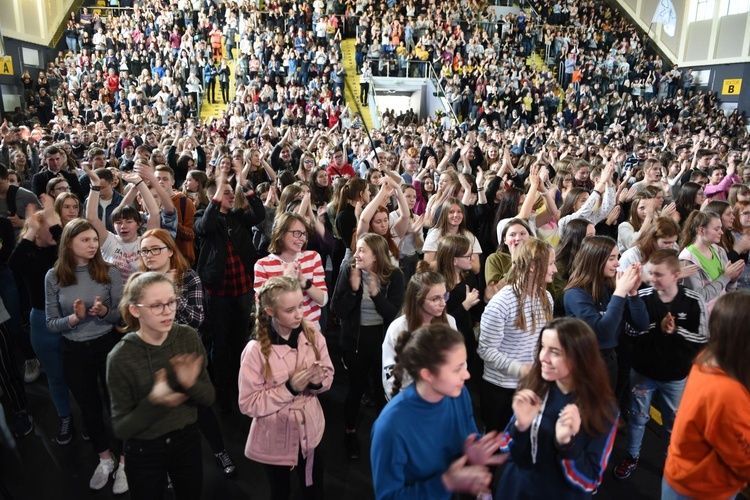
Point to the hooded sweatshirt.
(131, 369)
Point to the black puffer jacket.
(346, 304)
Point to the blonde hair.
(529, 272)
(267, 297)
(132, 293)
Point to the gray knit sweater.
(59, 304)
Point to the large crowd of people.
(600, 198)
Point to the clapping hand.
(629, 280)
(162, 394)
(472, 298)
(568, 424)
(98, 309)
(734, 270)
(187, 367)
(300, 379)
(613, 216)
(318, 373)
(79, 309)
(668, 325)
(463, 478)
(526, 406)
(483, 451)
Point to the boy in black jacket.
(225, 265)
(663, 355)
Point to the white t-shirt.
(431, 241)
(125, 256)
(406, 245)
(389, 354)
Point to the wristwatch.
(308, 285)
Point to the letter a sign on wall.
(6, 66)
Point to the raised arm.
(401, 226)
(363, 226)
(92, 205)
(528, 204)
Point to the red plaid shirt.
(236, 280)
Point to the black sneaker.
(225, 464)
(367, 401)
(65, 431)
(626, 468)
(352, 445)
(24, 425)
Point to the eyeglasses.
(298, 234)
(61, 188)
(312, 161)
(161, 308)
(440, 298)
(466, 257)
(152, 251)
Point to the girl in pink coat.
(282, 372)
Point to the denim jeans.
(47, 347)
(643, 389)
(178, 453)
(669, 493)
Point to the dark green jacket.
(131, 368)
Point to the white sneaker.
(102, 473)
(30, 370)
(121, 481)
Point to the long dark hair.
(593, 394)
(588, 269)
(65, 267)
(570, 242)
(685, 200)
(719, 207)
(662, 227)
(729, 345)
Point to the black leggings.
(365, 361)
(209, 427)
(278, 478)
(85, 369)
(496, 406)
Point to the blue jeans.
(47, 347)
(72, 43)
(668, 493)
(643, 389)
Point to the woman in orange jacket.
(709, 454)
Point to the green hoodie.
(131, 369)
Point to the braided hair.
(267, 297)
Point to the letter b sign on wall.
(731, 86)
